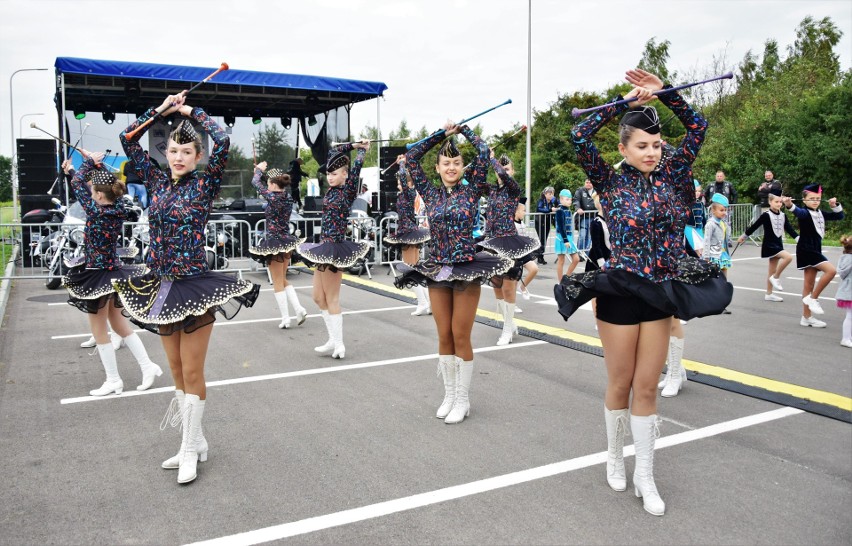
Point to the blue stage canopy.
(99, 85)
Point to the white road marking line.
(354, 515)
(777, 292)
(278, 318)
(744, 259)
(299, 373)
(802, 279)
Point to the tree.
(655, 57)
(5, 178)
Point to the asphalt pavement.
(309, 450)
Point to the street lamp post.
(12, 132)
(21, 122)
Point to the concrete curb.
(6, 284)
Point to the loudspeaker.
(36, 165)
(32, 202)
(387, 185)
(35, 180)
(389, 200)
(36, 146)
(388, 156)
(313, 203)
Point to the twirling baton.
(462, 122)
(504, 141)
(734, 250)
(56, 138)
(576, 112)
(333, 143)
(253, 152)
(159, 111)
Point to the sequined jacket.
(103, 223)
(407, 221)
(502, 204)
(180, 208)
(645, 216)
(279, 207)
(452, 212)
(338, 200)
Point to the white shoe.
(336, 326)
(676, 376)
(117, 341)
(645, 432)
(813, 304)
(175, 416)
(89, 343)
(812, 322)
(149, 374)
(775, 282)
(447, 370)
(190, 452)
(293, 298)
(846, 343)
(616, 425)
(518, 310)
(772, 297)
(504, 339)
(328, 347)
(461, 406)
(522, 290)
(281, 300)
(109, 387)
(420, 311)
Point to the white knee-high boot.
(447, 370)
(336, 326)
(113, 381)
(423, 305)
(616, 426)
(327, 347)
(150, 371)
(175, 415)
(461, 406)
(281, 298)
(189, 452)
(300, 311)
(645, 431)
(675, 378)
(508, 323)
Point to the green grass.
(7, 215)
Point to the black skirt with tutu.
(698, 291)
(415, 237)
(335, 256)
(482, 269)
(89, 290)
(518, 248)
(274, 249)
(164, 305)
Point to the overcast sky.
(440, 59)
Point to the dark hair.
(111, 191)
(846, 241)
(281, 181)
(625, 132)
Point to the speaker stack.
(387, 184)
(36, 172)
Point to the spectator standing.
(721, 186)
(296, 173)
(546, 207)
(584, 203)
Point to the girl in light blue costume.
(564, 244)
(717, 234)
